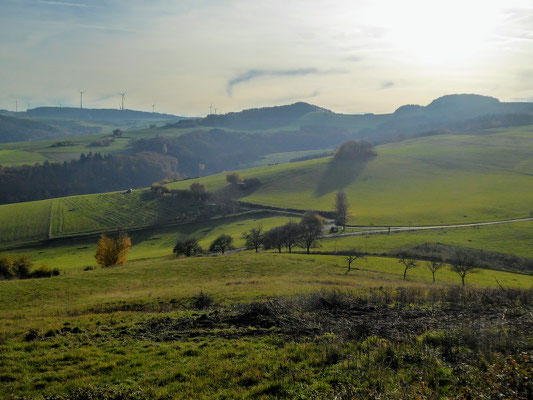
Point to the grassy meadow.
(442, 179)
(23, 222)
(100, 330)
(515, 238)
(435, 180)
(271, 325)
(75, 254)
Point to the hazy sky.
(348, 56)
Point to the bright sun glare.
(439, 33)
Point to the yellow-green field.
(77, 254)
(436, 180)
(23, 222)
(515, 238)
(82, 330)
(234, 277)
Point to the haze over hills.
(449, 112)
(59, 122)
(91, 114)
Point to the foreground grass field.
(107, 330)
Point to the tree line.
(205, 152)
(91, 173)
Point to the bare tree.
(291, 234)
(408, 264)
(434, 266)
(221, 244)
(341, 209)
(254, 238)
(462, 264)
(310, 230)
(233, 178)
(274, 239)
(187, 246)
(351, 256)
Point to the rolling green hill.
(435, 180)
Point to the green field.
(11, 158)
(435, 180)
(515, 238)
(23, 222)
(31, 152)
(81, 329)
(76, 254)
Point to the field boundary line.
(50, 217)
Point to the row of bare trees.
(461, 262)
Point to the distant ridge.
(103, 114)
(257, 118)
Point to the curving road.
(366, 230)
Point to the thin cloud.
(296, 97)
(260, 73)
(387, 85)
(353, 58)
(66, 4)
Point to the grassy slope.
(22, 222)
(76, 254)
(30, 152)
(440, 179)
(11, 158)
(105, 353)
(232, 277)
(516, 238)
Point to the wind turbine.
(210, 109)
(81, 98)
(16, 105)
(153, 108)
(123, 94)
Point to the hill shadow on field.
(338, 175)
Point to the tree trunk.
(463, 280)
(404, 273)
(433, 277)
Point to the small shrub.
(6, 267)
(187, 247)
(202, 301)
(44, 271)
(88, 268)
(233, 178)
(112, 251)
(22, 266)
(31, 335)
